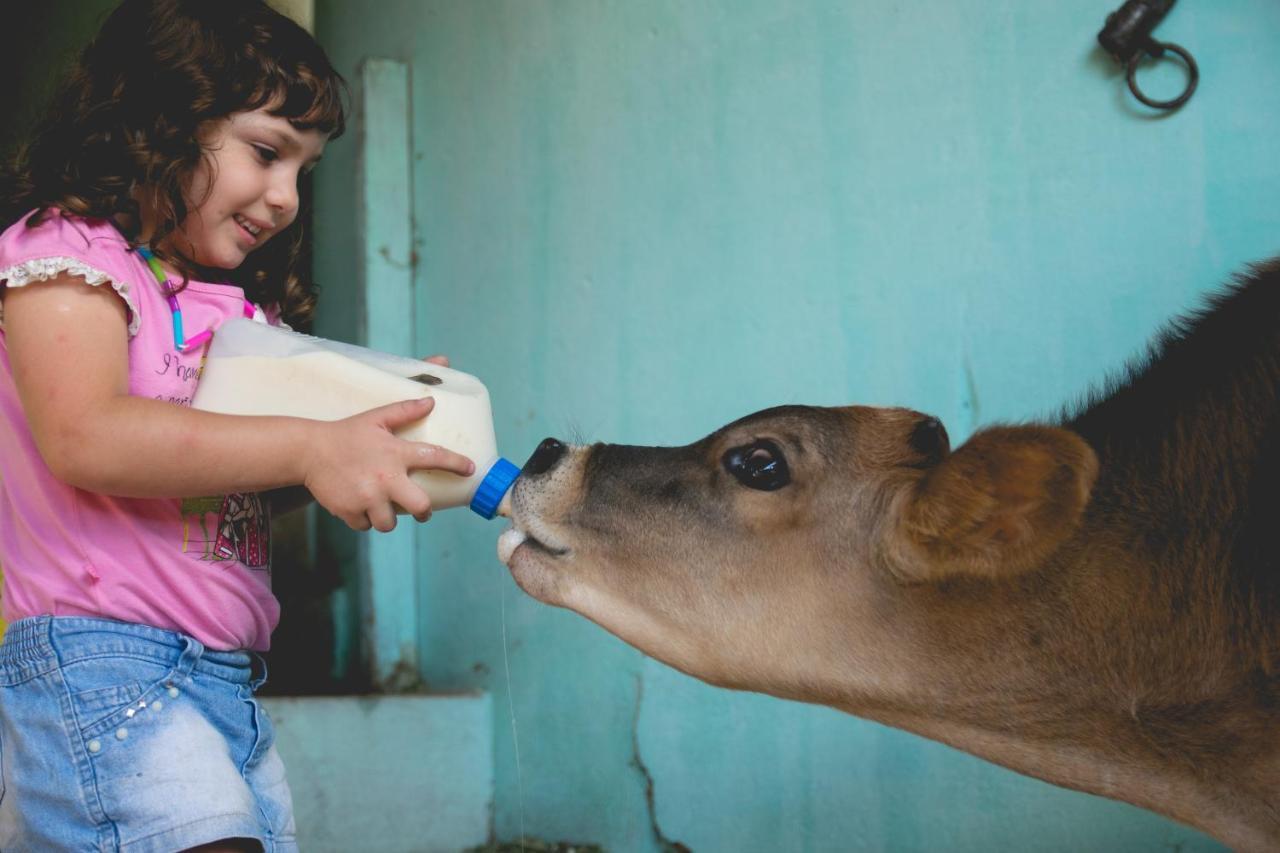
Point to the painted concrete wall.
(387, 774)
(639, 220)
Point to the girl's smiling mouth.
(251, 229)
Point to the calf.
(1093, 601)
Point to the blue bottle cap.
(494, 485)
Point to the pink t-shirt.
(200, 566)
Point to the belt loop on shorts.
(192, 650)
(258, 666)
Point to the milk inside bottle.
(256, 369)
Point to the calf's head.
(790, 551)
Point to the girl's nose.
(282, 196)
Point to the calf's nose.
(544, 457)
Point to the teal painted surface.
(637, 221)
(364, 265)
(388, 774)
(384, 222)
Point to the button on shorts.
(122, 737)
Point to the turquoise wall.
(639, 220)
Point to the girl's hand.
(359, 471)
(442, 360)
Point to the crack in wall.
(970, 398)
(665, 845)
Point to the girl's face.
(245, 190)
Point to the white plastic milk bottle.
(256, 369)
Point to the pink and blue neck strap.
(180, 341)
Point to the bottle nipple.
(491, 495)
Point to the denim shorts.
(121, 737)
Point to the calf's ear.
(998, 505)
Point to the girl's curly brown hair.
(126, 120)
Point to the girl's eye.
(267, 155)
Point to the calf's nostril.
(544, 457)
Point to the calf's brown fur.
(1094, 602)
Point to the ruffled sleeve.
(62, 245)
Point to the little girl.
(157, 200)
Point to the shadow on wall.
(53, 32)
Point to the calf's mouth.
(516, 537)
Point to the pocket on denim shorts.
(105, 687)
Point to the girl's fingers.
(442, 360)
(429, 456)
(383, 518)
(411, 498)
(395, 415)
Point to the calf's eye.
(758, 465)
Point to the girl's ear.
(997, 506)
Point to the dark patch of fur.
(1189, 445)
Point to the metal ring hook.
(1155, 50)
(1126, 35)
